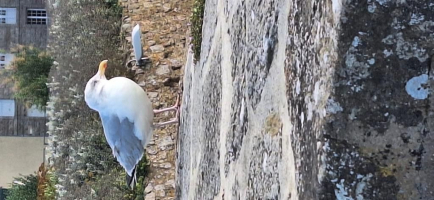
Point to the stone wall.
(309, 100)
(379, 128)
(164, 28)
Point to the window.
(7, 107)
(8, 15)
(5, 59)
(36, 16)
(35, 112)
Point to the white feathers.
(137, 42)
(126, 113)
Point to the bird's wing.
(128, 100)
(126, 146)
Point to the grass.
(196, 27)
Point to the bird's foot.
(173, 120)
(174, 107)
(139, 63)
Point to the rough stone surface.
(153, 95)
(235, 113)
(162, 45)
(170, 183)
(175, 64)
(149, 188)
(163, 70)
(309, 100)
(150, 196)
(382, 45)
(125, 27)
(151, 42)
(157, 48)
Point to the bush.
(25, 187)
(50, 189)
(142, 172)
(29, 73)
(81, 35)
(112, 185)
(196, 27)
(46, 184)
(113, 7)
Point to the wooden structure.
(22, 22)
(24, 122)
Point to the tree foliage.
(25, 187)
(196, 27)
(29, 73)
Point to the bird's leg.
(174, 107)
(166, 109)
(173, 120)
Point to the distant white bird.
(127, 117)
(137, 42)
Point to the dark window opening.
(36, 16)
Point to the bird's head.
(99, 77)
(95, 85)
(102, 67)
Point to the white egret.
(127, 117)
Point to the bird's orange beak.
(102, 67)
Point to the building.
(22, 130)
(20, 155)
(22, 22)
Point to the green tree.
(196, 27)
(25, 187)
(29, 73)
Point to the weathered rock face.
(380, 122)
(309, 100)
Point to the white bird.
(127, 117)
(136, 41)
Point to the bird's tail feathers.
(132, 180)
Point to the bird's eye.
(94, 83)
